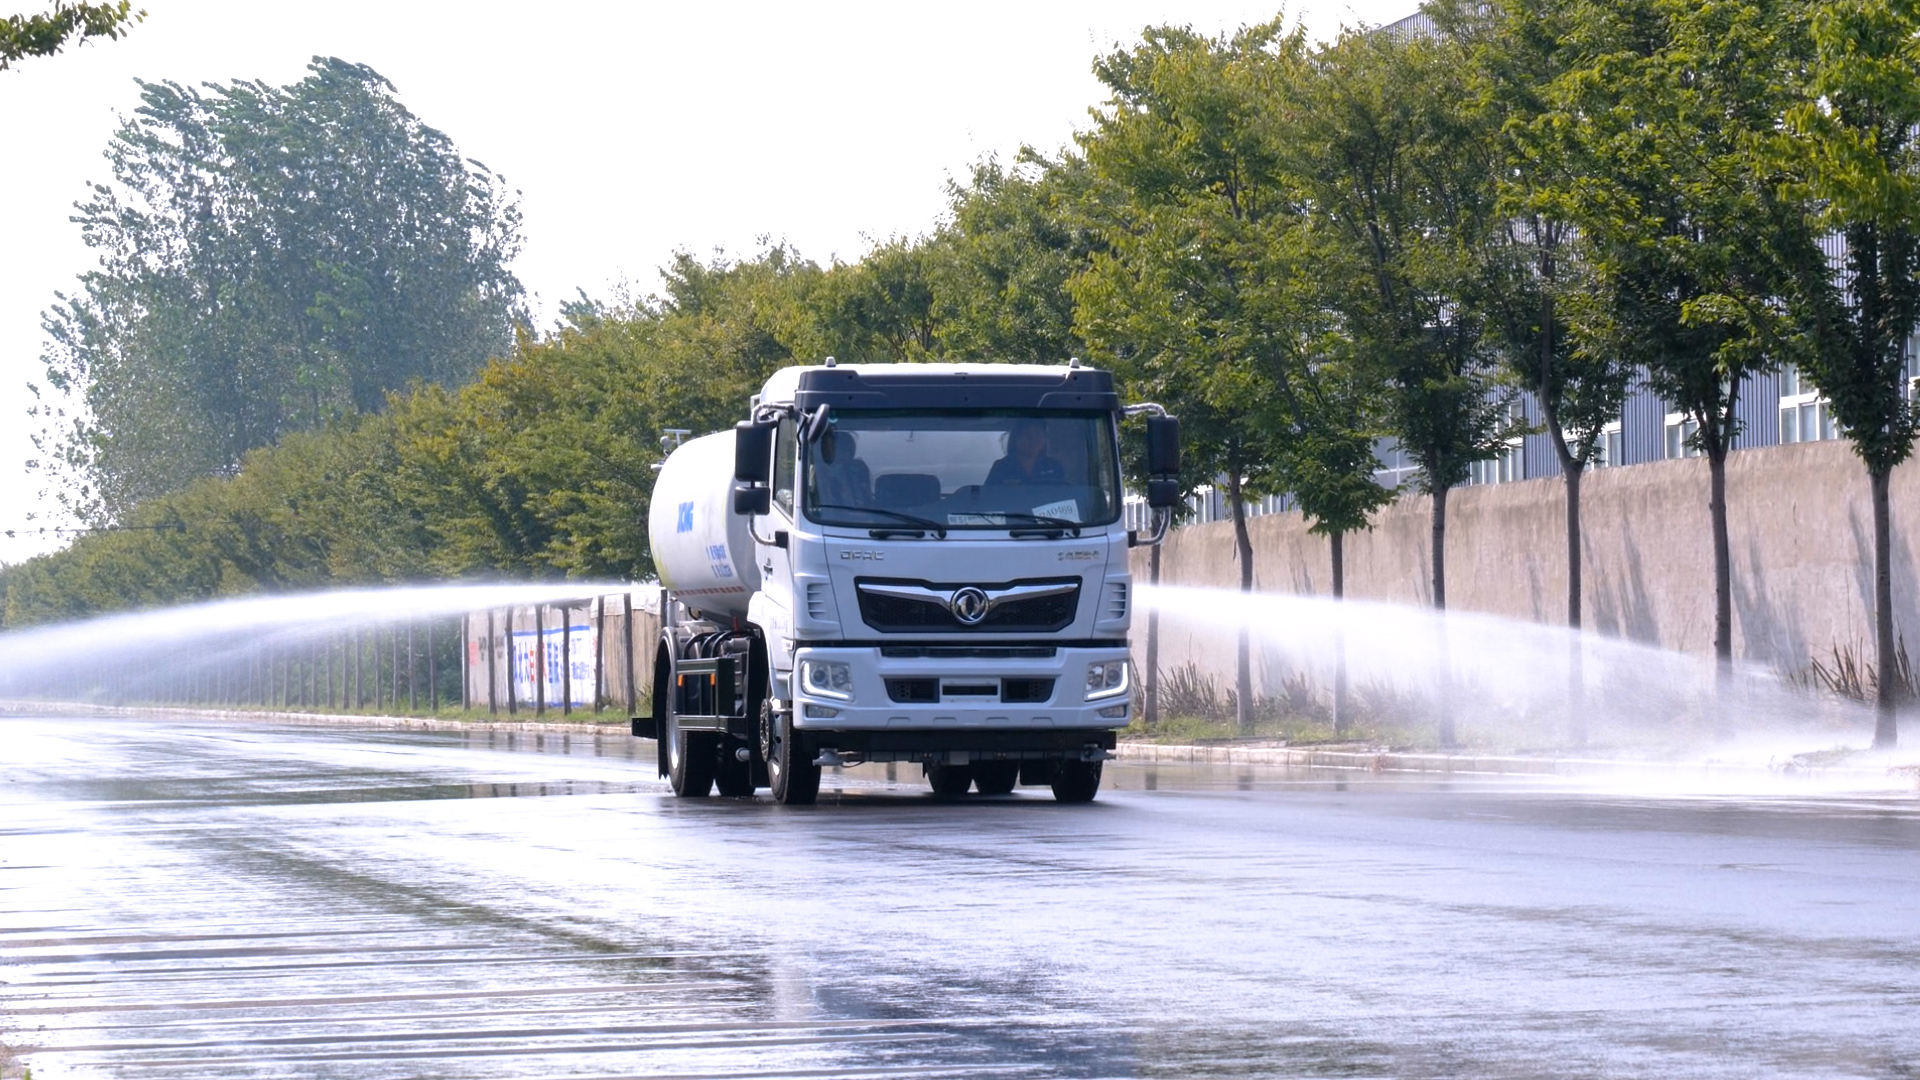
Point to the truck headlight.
(1106, 679)
(827, 678)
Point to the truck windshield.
(963, 469)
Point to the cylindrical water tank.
(702, 550)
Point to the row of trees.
(1298, 249)
(1307, 247)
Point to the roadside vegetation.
(1298, 248)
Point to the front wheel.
(1076, 781)
(791, 774)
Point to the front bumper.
(870, 703)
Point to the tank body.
(701, 549)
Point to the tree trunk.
(1443, 678)
(1151, 677)
(1243, 660)
(1722, 565)
(493, 666)
(1338, 550)
(1886, 732)
(1573, 471)
(600, 655)
(1576, 661)
(626, 638)
(539, 660)
(513, 691)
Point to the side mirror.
(1162, 494)
(1163, 445)
(752, 500)
(753, 452)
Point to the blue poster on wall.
(562, 657)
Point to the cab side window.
(783, 466)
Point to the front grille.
(925, 610)
(969, 652)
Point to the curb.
(1290, 757)
(1387, 761)
(355, 720)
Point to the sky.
(631, 130)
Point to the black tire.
(733, 776)
(950, 781)
(662, 699)
(691, 759)
(996, 777)
(1076, 781)
(791, 774)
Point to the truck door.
(772, 607)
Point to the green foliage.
(1402, 183)
(1850, 147)
(1016, 238)
(1298, 251)
(541, 468)
(1198, 298)
(1535, 261)
(272, 259)
(22, 36)
(1655, 118)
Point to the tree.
(1533, 261)
(1659, 122)
(1198, 299)
(22, 36)
(1850, 145)
(1015, 239)
(1400, 182)
(272, 258)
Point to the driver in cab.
(1027, 460)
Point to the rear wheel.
(950, 780)
(791, 774)
(996, 777)
(691, 759)
(1076, 781)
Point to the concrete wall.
(1798, 516)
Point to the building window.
(1510, 463)
(1681, 429)
(1912, 368)
(1610, 449)
(1804, 416)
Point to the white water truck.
(901, 563)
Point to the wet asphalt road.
(209, 900)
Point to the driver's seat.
(906, 489)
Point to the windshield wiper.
(925, 525)
(1053, 528)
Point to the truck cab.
(917, 563)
